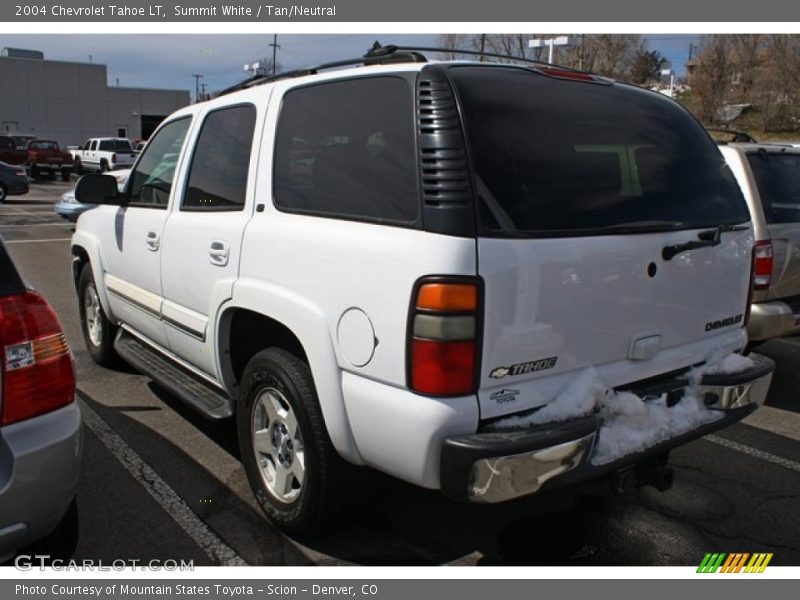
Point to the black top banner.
(452, 11)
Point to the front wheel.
(98, 331)
(287, 454)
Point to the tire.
(3, 193)
(78, 166)
(296, 475)
(65, 175)
(104, 167)
(98, 332)
(35, 172)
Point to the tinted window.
(557, 157)
(218, 175)
(347, 149)
(93, 146)
(150, 183)
(778, 180)
(43, 146)
(115, 145)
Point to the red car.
(46, 157)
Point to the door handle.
(218, 253)
(153, 241)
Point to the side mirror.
(97, 189)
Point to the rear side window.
(558, 157)
(218, 175)
(778, 180)
(346, 149)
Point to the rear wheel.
(35, 174)
(65, 175)
(289, 459)
(98, 331)
(104, 166)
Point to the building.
(70, 101)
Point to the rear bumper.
(770, 320)
(40, 462)
(17, 186)
(496, 466)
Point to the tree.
(710, 76)
(647, 66)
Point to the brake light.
(113, 158)
(443, 334)
(35, 362)
(22, 173)
(565, 74)
(762, 265)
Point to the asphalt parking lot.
(160, 482)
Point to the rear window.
(555, 157)
(115, 145)
(778, 180)
(43, 146)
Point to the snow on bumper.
(588, 431)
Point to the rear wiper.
(706, 239)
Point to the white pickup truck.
(103, 154)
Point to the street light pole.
(550, 43)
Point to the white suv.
(486, 279)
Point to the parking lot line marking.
(755, 452)
(22, 211)
(37, 241)
(160, 490)
(53, 224)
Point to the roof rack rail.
(382, 55)
(367, 59)
(388, 49)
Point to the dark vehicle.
(13, 181)
(9, 153)
(21, 140)
(45, 157)
(40, 424)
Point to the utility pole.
(275, 47)
(203, 91)
(197, 87)
(561, 40)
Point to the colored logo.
(736, 562)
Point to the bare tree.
(710, 77)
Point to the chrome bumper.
(496, 466)
(771, 320)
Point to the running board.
(199, 395)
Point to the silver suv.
(40, 424)
(769, 176)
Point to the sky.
(170, 60)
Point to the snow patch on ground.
(629, 423)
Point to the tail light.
(35, 362)
(21, 173)
(443, 337)
(762, 265)
(114, 158)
